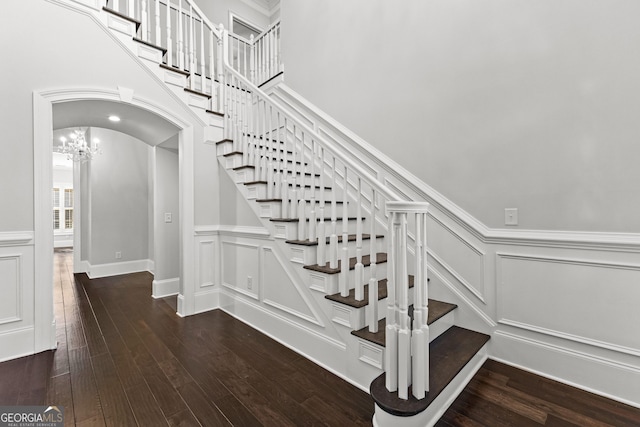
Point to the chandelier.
(77, 148)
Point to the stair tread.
(381, 257)
(307, 201)
(351, 299)
(253, 167)
(317, 187)
(437, 309)
(352, 238)
(151, 45)
(174, 69)
(350, 218)
(448, 354)
(118, 14)
(195, 92)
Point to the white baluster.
(192, 65)
(132, 9)
(212, 72)
(373, 281)
(312, 202)
(158, 36)
(322, 234)
(252, 60)
(180, 56)
(344, 258)
(292, 179)
(420, 333)
(285, 171)
(169, 41)
(116, 5)
(144, 21)
(404, 329)
(203, 63)
(391, 332)
(220, 69)
(333, 239)
(359, 270)
(302, 214)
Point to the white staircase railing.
(284, 151)
(298, 166)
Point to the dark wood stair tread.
(215, 113)
(174, 69)
(306, 201)
(350, 218)
(381, 257)
(151, 45)
(448, 354)
(224, 140)
(317, 187)
(351, 299)
(120, 15)
(195, 92)
(437, 309)
(352, 238)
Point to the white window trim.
(234, 16)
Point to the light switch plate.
(511, 216)
(167, 217)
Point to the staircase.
(347, 235)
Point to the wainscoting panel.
(206, 262)
(241, 267)
(10, 288)
(457, 256)
(586, 301)
(280, 292)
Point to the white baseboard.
(207, 301)
(117, 268)
(16, 343)
(166, 287)
(63, 243)
(573, 366)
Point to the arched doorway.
(150, 123)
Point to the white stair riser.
(308, 254)
(289, 230)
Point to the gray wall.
(495, 104)
(167, 256)
(119, 198)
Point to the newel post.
(407, 347)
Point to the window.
(68, 197)
(68, 218)
(56, 219)
(242, 27)
(62, 207)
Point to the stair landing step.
(352, 238)
(366, 261)
(351, 299)
(448, 354)
(437, 309)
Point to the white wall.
(119, 199)
(495, 104)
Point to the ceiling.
(137, 122)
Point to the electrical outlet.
(118, 255)
(249, 282)
(511, 216)
(167, 217)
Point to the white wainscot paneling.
(240, 267)
(457, 256)
(592, 302)
(10, 288)
(206, 266)
(280, 291)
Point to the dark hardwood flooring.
(125, 359)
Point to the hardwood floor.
(125, 359)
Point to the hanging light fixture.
(77, 148)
